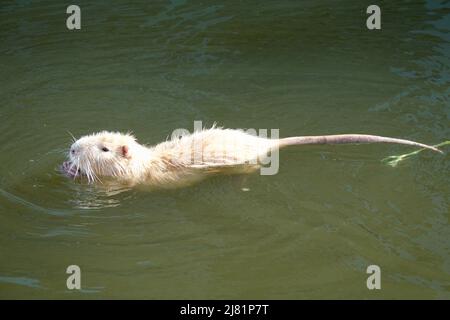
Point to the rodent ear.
(125, 151)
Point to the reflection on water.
(305, 67)
(32, 283)
(89, 196)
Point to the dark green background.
(304, 67)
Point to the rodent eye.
(105, 149)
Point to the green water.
(304, 67)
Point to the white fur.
(179, 161)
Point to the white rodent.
(182, 161)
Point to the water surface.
(304, 67)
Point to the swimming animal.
(190, 158)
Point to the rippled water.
(305, 67)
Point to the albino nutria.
(181, 161)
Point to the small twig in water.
(393, 161)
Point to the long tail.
(349, 138)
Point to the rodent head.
(102, 154)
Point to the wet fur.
(191, 158)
